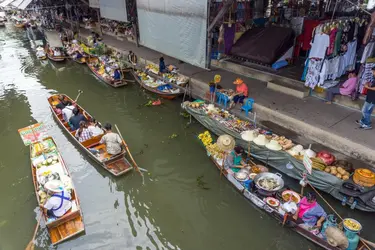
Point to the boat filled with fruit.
(266, 191)
(47, 166)
(353, 186)
(172, 76)
(157, 86)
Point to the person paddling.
(111, 140)
(59, 203)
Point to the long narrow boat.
(70, 224)
(54, 58)
(108, 80)
(115, 164)
(176, 91)
(257, 200)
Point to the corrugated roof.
(24, 4)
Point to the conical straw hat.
(261, 140)
(248, 135)
(274, 145)
(226, 142)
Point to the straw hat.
(54, 186)
(248, 135)
(274, 145)
(226, 142)
(217, 78)
(238, 81)
(261, 140)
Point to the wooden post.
(100, 26)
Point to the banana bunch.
(214, 151)
(318, 164)
(205, 138)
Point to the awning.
(53, 39)
(6, 3)
(24, 4)
(16, 3)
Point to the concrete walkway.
(330, 125)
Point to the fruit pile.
(214, 151)
(205, 138)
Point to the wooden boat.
(165, 95)
(257, 200)
(108, 80)
(54, 58)
(71, 223)
(82, 60)
(115, 164)
(19, 25)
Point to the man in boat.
(76, 119)
(234, 160)
(309, 212)
(56, 52)
(67, 112)
(111, 140)
(59, 203)
(132, 58)
(62, 102)
(162, 68)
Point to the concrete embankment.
(329, 125)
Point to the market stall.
(222, 122)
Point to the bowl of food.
(289, 195)
(272, 202)
(352, 225)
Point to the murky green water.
(168, 211)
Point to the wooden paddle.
(79, 93)
(31, 245)
(127, 149)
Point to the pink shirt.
(242, 88)
(348, 87)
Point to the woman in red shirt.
(241, 92)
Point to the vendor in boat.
(83, 133)
(117, 75)
(111, 140)
(309, 212)
(75, 120)
(234, 160)
(60, 201)
(242, 92)
(162, 67)
(132, 58)
(56, 52)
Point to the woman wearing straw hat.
(242, 92)
(59, 203)
(234, 160)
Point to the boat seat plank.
(92, 141)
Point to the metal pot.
(277, 177)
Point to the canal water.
(165, 210)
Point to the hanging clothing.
(229, 33)
(368, 52)
(337, 43)
(308, 27)
(319, 46)
(313, 72)
(332, 40)
(366, 76)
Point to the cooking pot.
(277, 177)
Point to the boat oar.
(127, 149)
(31, 245)
(79, 93)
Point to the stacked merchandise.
(333, 50)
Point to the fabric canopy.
(263, 45)
(24, 4)
(6, 3)
(53, 39)
(176, 28)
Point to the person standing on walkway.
(213, 86)
(346, 88)
(368, 106)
